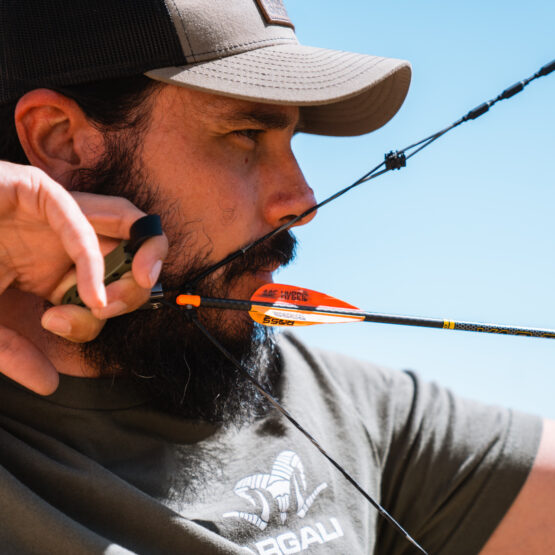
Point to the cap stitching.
(353, 62)
(182, 25)
(371, 104)
(276, 86)
(313, 52)
(227, 48)
(208, 70)
(313, 62)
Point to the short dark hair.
(111, 105)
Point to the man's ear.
(55, 133)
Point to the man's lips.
(267, 272)
(265, 276)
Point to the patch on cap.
(274, 11)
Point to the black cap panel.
(82, 40)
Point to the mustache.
(279, 250)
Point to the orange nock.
(184, 300)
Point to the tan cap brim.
(340, 93)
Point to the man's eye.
(252, 134)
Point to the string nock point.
(188, 301)
(395, 160)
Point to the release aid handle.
(119, 261)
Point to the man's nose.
(287, 194)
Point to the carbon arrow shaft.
(290, 308)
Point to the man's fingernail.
(155, 272)
(58, 325)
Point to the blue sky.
(466, 231)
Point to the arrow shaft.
(244, 305)
(454, 325)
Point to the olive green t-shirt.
(95, 469)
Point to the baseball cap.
(245, 49)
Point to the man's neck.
(22, 312)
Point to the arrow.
(282, 305)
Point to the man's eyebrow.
(268, 120)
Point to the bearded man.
(131, 432)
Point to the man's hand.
(50, 239)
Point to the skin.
(528, 525)
(227, 170)
(226, 167)
(44, 232)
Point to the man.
(167, 449)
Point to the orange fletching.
(289, 305)
(291, 294)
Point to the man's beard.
(163, 349)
